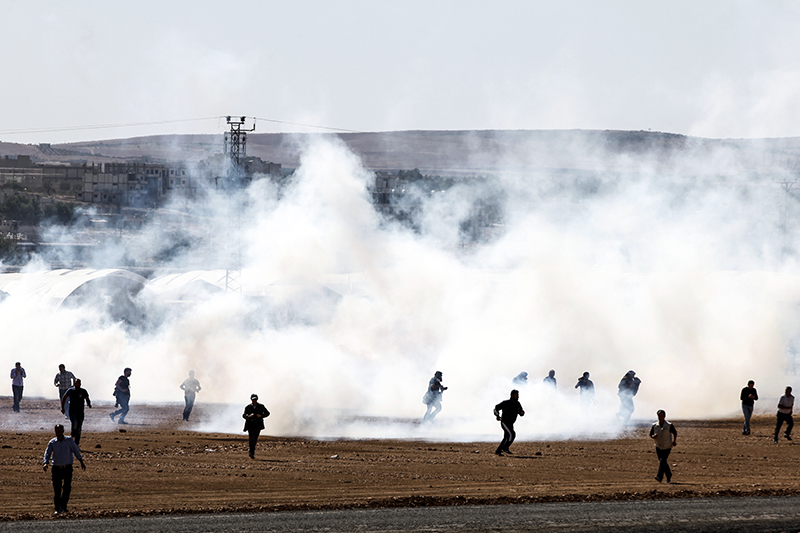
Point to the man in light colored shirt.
(785, 406)
(17, 373)
(666, 437)
(64, 380)
(60, 450)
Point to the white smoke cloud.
(679, 275)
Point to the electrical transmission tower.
(236, 148)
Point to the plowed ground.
(161, 466)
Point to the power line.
(305, 125)
(162, 122)
(105, 126)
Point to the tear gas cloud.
(680, 274)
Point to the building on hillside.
(217, 170)
(392, 197)
(123, 184)
(387, 191)
(26, 174)
(141, 184)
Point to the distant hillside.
(464, 152)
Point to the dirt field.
(163, 468)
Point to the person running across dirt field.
(666, 437)
(76, 396)
(254, 415)
(510, 409)
(122, 392)
(60, 451)
(749, 395)
(190, 388)
(785, 406)
(628, 388)
(586, 387)
(63, 380)
(433, 397)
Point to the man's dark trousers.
(76, 419)
(508, 436)
(663, 464)
(17, 390)
(62, 486)
(783, 417)
(254, 433)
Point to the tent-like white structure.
(113, 289)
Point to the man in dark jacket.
(628, 388)
(749, 395)
(433, 397)
(586, 387)
(76, 396)
(510, 409)
(254, 415)
(122, 392)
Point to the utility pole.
(236, 148)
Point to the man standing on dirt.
(666, 437)
(510, 409)
(61, 449)
(433, 397)
(63, 381)
(586, 387)
(254, 415)
(785, 406)
(76, 396)
(17, 373)
(748, 396)
(190, 388)
(628, 388)
(122, 392)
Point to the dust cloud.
(680, 274)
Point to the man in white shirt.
(60, 450)
(785, 406)
(665, 437)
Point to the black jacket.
(254, 416)
(77, 397)
(745, 396)
(510, 408)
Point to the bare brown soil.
(162, 468)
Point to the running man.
(510, 409)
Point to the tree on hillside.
(59, 212)
(25, 209)
(28, 211)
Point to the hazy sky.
(714, 68)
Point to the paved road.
(767, 514)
